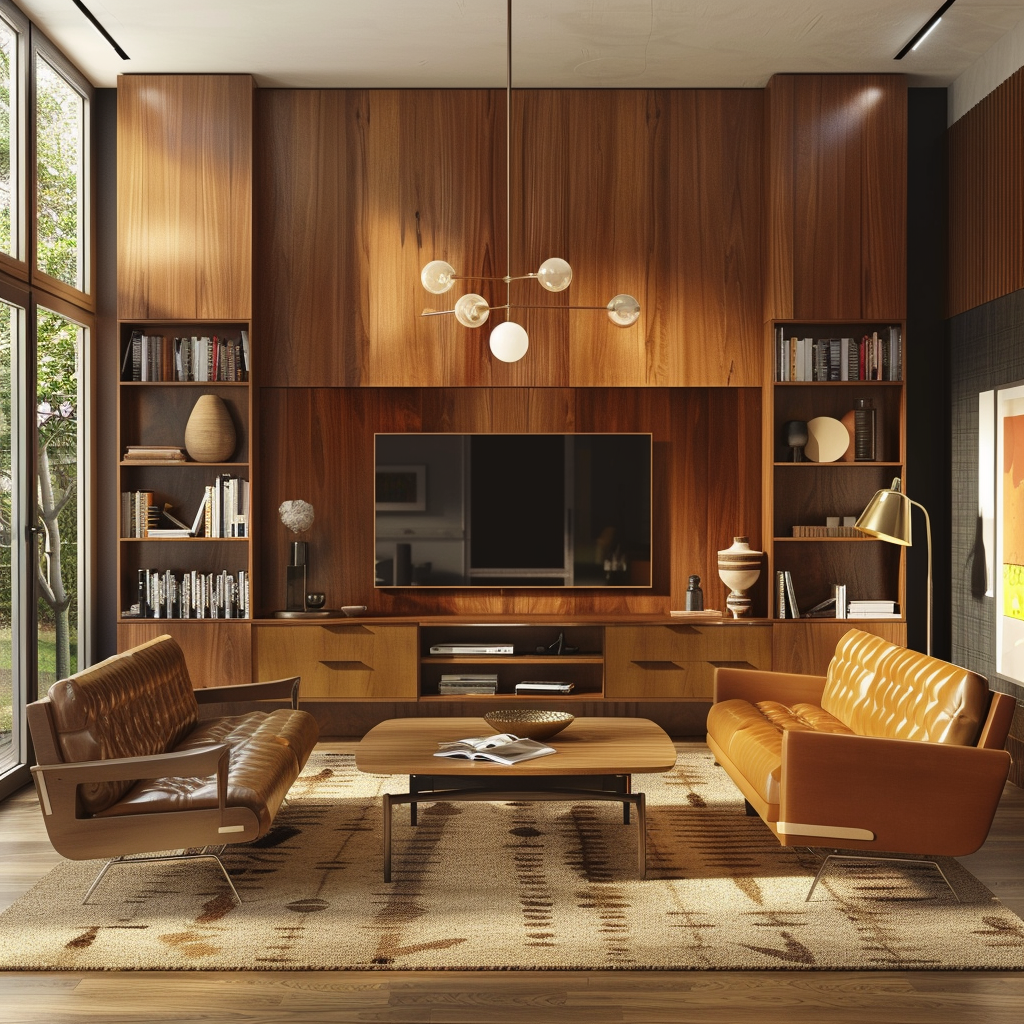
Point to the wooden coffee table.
(595, 760)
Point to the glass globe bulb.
(554, 275)
(623, 310)
(472, 310)
(437, 276)
(509, 342)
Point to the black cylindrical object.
(403, 565)
(694, 596)
(863, 430)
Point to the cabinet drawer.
(341, 660)
(678, 660)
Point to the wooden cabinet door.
(217, 653)
(342, 661)
(837, 196)
(802, 645)
(184, 196)
(678, 660)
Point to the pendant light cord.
(508, 158)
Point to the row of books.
(836, 606)
(785, 596)
(191, 594)
(878, 356)
(826, 531)
(223, 512)
(152, 357)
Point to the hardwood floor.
(588, 997)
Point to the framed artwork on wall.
(1009, 530)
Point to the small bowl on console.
(526, 724)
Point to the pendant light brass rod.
(508, 154)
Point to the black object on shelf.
(694, 595)
(558, 647)
(796, 437)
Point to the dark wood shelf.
(516, 659)
(517, 697)
(838, 465)
(836, 383)
(828, 540)
(184, 383)
(184, 540)
(175, 464)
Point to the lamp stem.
(508, 155)
(928, 534)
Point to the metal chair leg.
(206, 854)
(889, 860)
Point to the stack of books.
(156, 358)
(541, 687)
(873, 610)
(785, 596)
(154, 453)
(469, 683)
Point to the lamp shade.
(509, 342)
(887, 516)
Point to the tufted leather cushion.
(751, 737)
(130, 705)
(878, 689)
(267, 752)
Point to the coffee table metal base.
(463, 789)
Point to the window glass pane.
(9, 754)
(58, 342)
(8, 139)
(60, 114)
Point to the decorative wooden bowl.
(534, 725)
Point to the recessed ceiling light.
(922, 33)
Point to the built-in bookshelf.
(832, 369)
(184, 549)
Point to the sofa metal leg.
(888, 860)
(205, 854)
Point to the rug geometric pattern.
(511, 886)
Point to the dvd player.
(472, 649)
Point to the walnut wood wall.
(986, 199)
(707, 484)
(653, 192)
(836, 203)
(184, 210)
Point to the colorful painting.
(1010, 531)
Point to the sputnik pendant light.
(509, 341)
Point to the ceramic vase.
(739, 568)
(209, 433)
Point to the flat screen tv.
(512, 510)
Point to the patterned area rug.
(511, 886)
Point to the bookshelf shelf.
(826, 540)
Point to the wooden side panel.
(883, 149)
(223, 231)
(705, 326)
(803, 646)
(778, 175)
(986, 199)
(156, 196)
(706, 484)
(184, 196)
(216, 653)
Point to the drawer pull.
(732, 664)
(347, 666)
(684, 630)
(660, 666)
(346, 630)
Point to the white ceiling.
(556, 43)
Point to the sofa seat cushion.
(750, 735)
(267, 753)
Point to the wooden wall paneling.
(883, 150)
(156, 196)
(312, 271)
(826, 199)
(223, 230)
(807, 647)
(705, 327)
(956, 159)
(613, 213)
(433, 160)
(690, 549)
(540, 230)
(216, 653)
(778, 191)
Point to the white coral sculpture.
(296, 515)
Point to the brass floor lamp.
(887, 517)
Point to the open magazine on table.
(502, 748)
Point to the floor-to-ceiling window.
(46, 314)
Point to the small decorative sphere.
(297, 515)
(472, 310)
(509, 342)
(554, 275)
(437, 276)
(623, 310)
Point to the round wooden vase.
(209, 433)
(738, 568)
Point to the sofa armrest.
(272, 689)
(57, 784)
(755, 685)
(911, 796)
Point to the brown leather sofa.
(892, 750)
(126, 766)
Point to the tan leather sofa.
(125, 766)
(891, 751)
